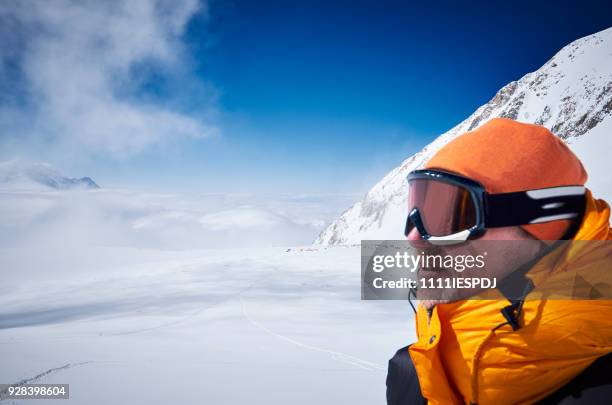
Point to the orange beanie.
(506, 156)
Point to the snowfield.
(225, 326)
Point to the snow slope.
(228, 326)
(571, 94)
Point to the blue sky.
(266, 96)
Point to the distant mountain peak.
(571, 95)
(20, 174)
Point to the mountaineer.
(510, 181)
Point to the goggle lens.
(445, 208)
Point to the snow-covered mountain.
(571, 95)
(22, 175)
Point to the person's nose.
(415, 240)
(414, 235)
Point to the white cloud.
(243, 218)
(33, 219)
(76, 76)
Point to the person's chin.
(429, 304)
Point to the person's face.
(502, 258)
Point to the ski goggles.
(447, 208)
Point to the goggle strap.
(534, 206)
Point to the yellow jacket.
(461, 359)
